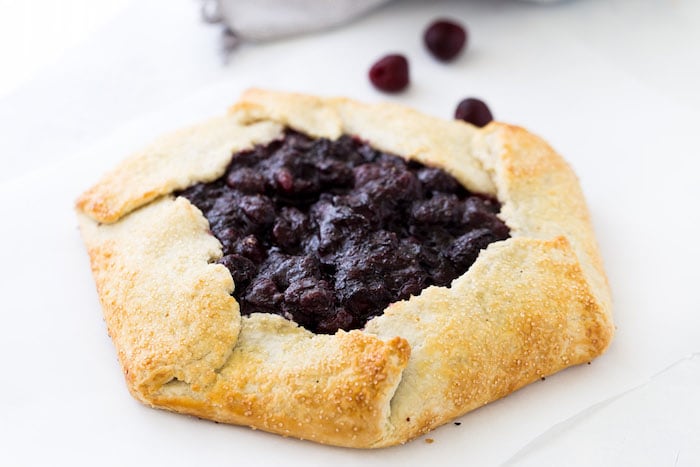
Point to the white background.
(613, 85)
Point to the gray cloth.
(261, 20)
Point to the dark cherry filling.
(328, 233)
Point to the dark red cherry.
(473, 111)
(445, 39)
(390, 73)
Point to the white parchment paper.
(630, 136)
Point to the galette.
(348, 273)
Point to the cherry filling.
(328, 233)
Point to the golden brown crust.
(173, 162)
(283, 379)
(530, 306)
(157, 315)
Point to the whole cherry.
(473, 111)
(445, 39)
(390, 73)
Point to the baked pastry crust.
(528, 307)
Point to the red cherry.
(390, 73)
(473, 111)
(445, 39)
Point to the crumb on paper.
(429, 440)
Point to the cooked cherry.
(249, 247)
(328, 233)
(242, 269)
(445, 39)
(285, 180)
(473, 111)
(246, 180)
(390, 73)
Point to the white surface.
(36, 33)
(655, 424)
(611, 84)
